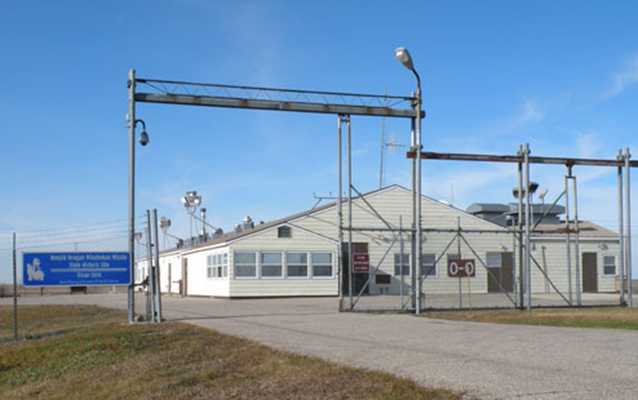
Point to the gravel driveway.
(487, 361)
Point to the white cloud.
(531, 112)
(588, 145)
(625, 78)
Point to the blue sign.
(76, 269)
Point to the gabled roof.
(232, 236)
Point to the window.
(297, 265)
(271, 266)
(609, 265)
(225, 265)
(493, 260)
(217, 266)
(402, 264)
(209, 267)
(322, 265)
(245, 265)
(428, 264)
(284, 232)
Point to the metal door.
(590, 273)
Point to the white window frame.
(435, 270)
(605, 264)
(280, 264)
(406, 263)
(209, 267)
(235, 265)
(298, 264)
(312, 264)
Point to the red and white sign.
(361, 263)
(461, 268)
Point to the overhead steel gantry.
(343, 105)
(523, 159)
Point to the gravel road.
(487, 361)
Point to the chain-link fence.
(102, 237)
(481, 269)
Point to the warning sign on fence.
(461, 268)
(361, 263)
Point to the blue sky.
(562, 76)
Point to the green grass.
(607, 318)
(105, 359)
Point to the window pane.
(298, 270)
(271, 271)
(493, 260)
(609, 265)
(428, 268)
(297, 258)
(245, 258)
(322, 270)
(271, 258)
(245, 271)
(322, 258)
(225, 258)
(398, 258)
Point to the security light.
(402, 54)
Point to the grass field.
(609, 318)
(86, 352)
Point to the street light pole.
(131, 193)
(404, 58)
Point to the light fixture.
(143, 139)
(402, 54)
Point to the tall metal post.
(568, 239)
(401, 260)
(151, 273)
(521, 266)
(413, 247)
(621, 232)
(350, 245)
(628, 243)
(577, 244)
(528, 270)
(158, 282)
(419, 211)
(131, 192)
(340, 213)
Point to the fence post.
(15, 291)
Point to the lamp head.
(144, 138)
(402, 54)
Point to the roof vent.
(238, 228)
(247, 223)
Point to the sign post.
(76, 269)
(460, 269)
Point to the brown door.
(507, 271)
(358, 279)
(590, 273)
(184, 284)
(493, 280)
(501, 276)
(170, 282)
